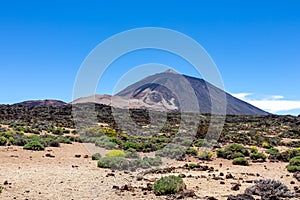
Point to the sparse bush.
(172, 151)
(253, 149)
(240, 161)
(34, 145)
(192, 165)
(110, 132)
(191, 151)
(266, 145)
(292, 168)
(116, 153)
(105, 142)
(232, 151)
(272, 150)
(199, 143)
(294, 164)
(258, 156)
(119, 163)
(290, 153)
(96, 156)
(203, 155)
(153, 161)
(131, 153)
(168, 185)
(3, 141)
(130, 145)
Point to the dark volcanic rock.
(241, 197)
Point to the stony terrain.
(43, 155)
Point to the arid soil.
(32, 175)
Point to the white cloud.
(273, 104)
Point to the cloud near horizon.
(274, 104)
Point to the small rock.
(292, 182)
(229, 176)
(49, 155)
(77, 156)
(86, 156)
(240, 197)
(115, 187)
(236, 186)
(182, 175)
(127, 188)
(5, 182)
(221, 174)
(110, 174)
(222, 183)
(139, 178)
(296, 175)
(211, 198)
(185, 194)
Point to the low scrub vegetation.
(232, 151)
(168, 185)
(294, 164)
(240, 161)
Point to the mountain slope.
(154, 90)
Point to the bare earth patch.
(32, 175)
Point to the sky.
(254, 44)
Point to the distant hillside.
(161, 91)
(152, 91)
(45, 103)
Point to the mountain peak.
(171, 71)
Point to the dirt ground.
(33, 176)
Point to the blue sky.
(255, 45)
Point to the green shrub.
(289, 154)
(118, 163)
(153, 161)
(192, 165)
(220, 153)
(34, 145)
(294, 164)
(236, 155)
(203, 155)
(64, 140)
(104, 142)
(168, 185)
(172, 151)
(240, 161)
(272, 150)
(295, 161)
(3, 141)
(292, 168)
(116, 153)
(253, 149)
(199, 143)
(266, 145)
(130, 145)
(110, 132)
(96, 156)
(258, 156)
(232, 151)
(191, 151)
